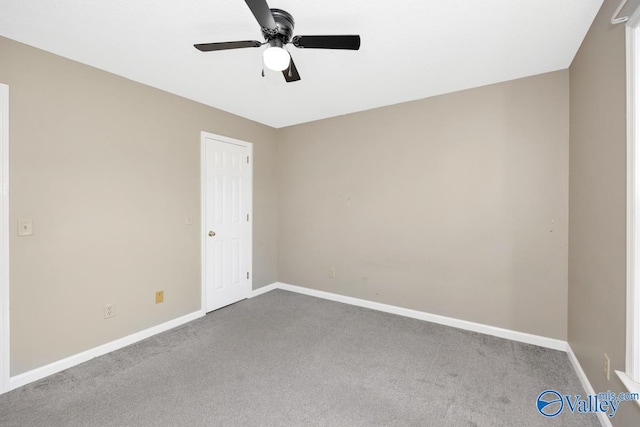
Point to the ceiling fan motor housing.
(285, 24)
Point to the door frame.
(203, 213)
(631, 376)
(4, 239)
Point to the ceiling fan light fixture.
(276, 57)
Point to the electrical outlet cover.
(25, 227)
(109, 311)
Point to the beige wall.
(454, 205)
(597, 206)
(108, 170)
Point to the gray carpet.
(284, 359)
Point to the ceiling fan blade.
(291, 73)
(327, 42)
(208, 47)
(261, 11)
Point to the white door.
(226, 220)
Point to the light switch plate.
(25, 227)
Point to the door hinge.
(247, 274)
(247, 217)
(247, 159)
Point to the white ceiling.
(411, 49)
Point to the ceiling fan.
(277, 29)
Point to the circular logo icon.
(550, 403)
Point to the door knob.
(212, 233)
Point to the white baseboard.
(552, 343)
(66, 363)
(263, 290)
(602, 417)
(632, 386)
(55, 367)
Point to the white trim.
(449, 321)
(584, 380)
(4, 239)
(632, 386)
(69, 362)
(632, 367)
(203, 212)
(203, 226)
(552, 343)
(633, 240)
(263, 290)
